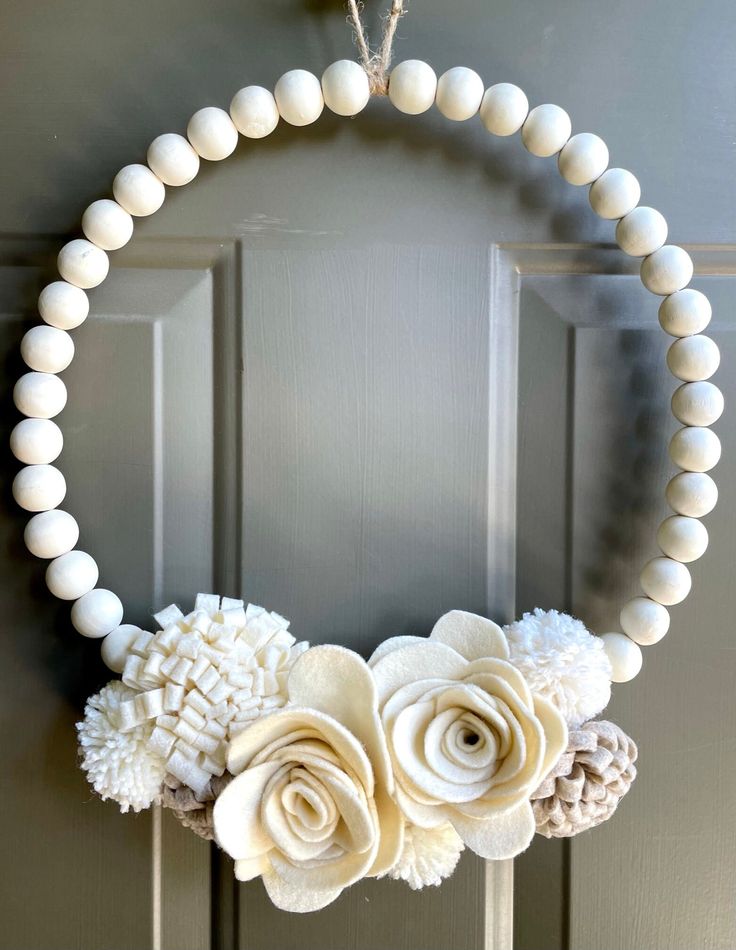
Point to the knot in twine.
(587, 783)
(194, 813)
(376, 63)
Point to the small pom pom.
(562, 661)
(428, 857)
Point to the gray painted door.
(363, 373)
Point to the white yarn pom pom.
(119, 765)
(428, 857)
(563, 662)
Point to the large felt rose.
(311, 807)
(468, 740)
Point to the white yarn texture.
(562, 661)
(428, 857)
(119, 764)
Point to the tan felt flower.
(311, 808)
(468, 740)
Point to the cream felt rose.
(311, 807)
(468, 740)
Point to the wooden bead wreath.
(311, 767)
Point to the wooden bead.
(36, 441)
(412, 86)
(212, 134)
(641, 231)
(107, 224)
(459, 93)
(47, 349)
(83, 264)
(546, 130)
(298, 95)
(583, 159)
(254, 112)
(39, 395)
(665, 580)
(683, 539)
(138, 190)
(63, 305)
(115, 648)
(695, 449)
(50, 534)
(694, 494)
(644, 621)
(39, 487)
(97, 613)
(614, 194)
(72, 575)
(667, 270)
(345, 87)
(693, 357)
(172, 159)
(697, 404)
(685, 313)
(624, 654)
(504, 108)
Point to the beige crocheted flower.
(310, 807)
(584, 788)
(468, 740)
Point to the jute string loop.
(375, 62)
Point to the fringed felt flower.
(469, 741)
(428, 857)
(310, 808)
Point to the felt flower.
(310, 807)
(428, 857)
(469, 741)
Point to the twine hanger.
(376, 63)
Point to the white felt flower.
(563, 662)
(428, 857)
(119, 765)
(468, 740)
(310, 808)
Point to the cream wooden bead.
(697, 404)
(694, 494)
(624, 654)
(644, 621)
(683, 539)
(39, 487)
(83, 264)
(72, 575)
(614, 194)
(695, 449)
(50, 534)
(412, 86)
(115, 648)
(693, 357)
(172, 159)
(40, 395)
(254, 112)
(504, 108)
(47, 349)
(667, 270)
(345, 87)
(641, 231)
(685, 313)
(36, 441)
(298, 95)
(459, 93)
(583, 159)
(212, 134)
(63, 305)
(107, 224)
(97, 613)
(546, 130)
(138, 190)
(665, 580)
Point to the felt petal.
(236, 815)
(498, 837)
(298, 900)
(340, 870)
(425, 816)
(418, 661)
(391, 829)
(473, 637)
(248, 868)
(555, 732)
(388, 646)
